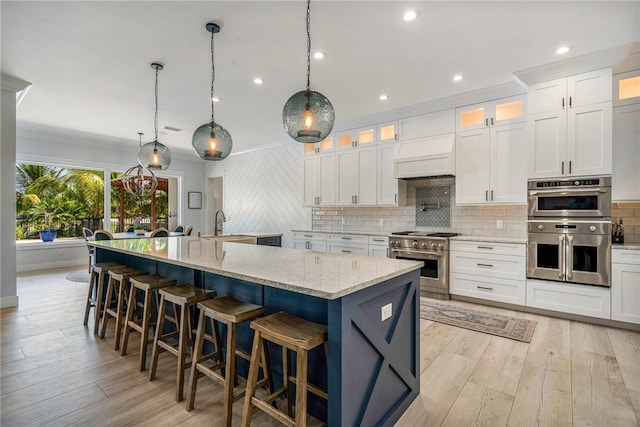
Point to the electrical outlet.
(381, 222)
(499, 223)
(386, 311)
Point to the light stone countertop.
(250, 234)
(355, 233)
(324, 275)
(629, 246)
(521, 240)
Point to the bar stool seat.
(231, 312)
(183, 299)
(292, 334)
(117, 290)
(96, 284)
(149, 285)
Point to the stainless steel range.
(433, 250)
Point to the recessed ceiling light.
(410, 15)
(563, 49)
(383, 97)
(258, 81)
(457, 77)
(319, 55)
(215, 99)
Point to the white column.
(9, 87)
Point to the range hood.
(425, 157)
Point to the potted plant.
(138, 227)
(52, 219)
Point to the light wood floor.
(54, 371)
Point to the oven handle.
(569, 257)
(423, 254)
(567, 192)
(561, 257)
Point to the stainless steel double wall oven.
(569, 223)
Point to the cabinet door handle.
(307, 245)
(569, 167)
(491, 121)
(485, 247)
(486, 122)
(485, 265)
(387, 252)
(486, 195)
(570, 101)
(485, 288)
(395, 136)
(396, 199)
(562, 168)
(491, 195)
(563, 103)
(317, 150)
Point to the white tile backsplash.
(466, 220)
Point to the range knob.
(434, 245)
(441, 246)
(540, 227)
(576, 183)
(592, 228)
(415, 244)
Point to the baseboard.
(6, 302)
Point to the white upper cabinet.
(570, 126)
(356, 176)
(323, 146)
(390, 191)
(626, 153)
(426, 125)
(319, 188)
(626, 88)
(490, 165)
(355, 138)
(387, 132)
(491, 113)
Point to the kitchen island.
(370, 305)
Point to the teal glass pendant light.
(155, 155)
(308, 115)
(139, 181)
(211, 141)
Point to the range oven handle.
(561, 257)
(568, 192)
(569, 257)
(419, 254)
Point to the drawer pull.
(346, 238)
(485, 288)
(378, 240)
(345, 251)
(308, 235)
(485, 247)
(485, 265)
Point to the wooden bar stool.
(117, 292)
(292, 334)
(231, 312)
(96, 283)
(149, 284)
(183, 298)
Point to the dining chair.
(160, 232)
(102, 235)
(86, 232)
(188, 231)
(130, 229)
(179, 229)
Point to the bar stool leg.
(301, 388)
(159, 332)
(182, 347)
(89, 297)
(197, 351)
(107, 302)
(146, 319)
(122, 298)
(231, 370)
(252, 379)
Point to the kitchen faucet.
(218, 230)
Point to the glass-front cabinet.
(387, 132)
(356, 137)
(319, 147)
(493, 113)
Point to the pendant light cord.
(155, 118)
(308, 47)
(213, 78)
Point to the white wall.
(263, 191)
(37, 255)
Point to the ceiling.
(89, 61)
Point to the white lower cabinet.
(625, 285)
(593, 301)
(379, 246)
(308, 240)
(488, 270)
(348, 244)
